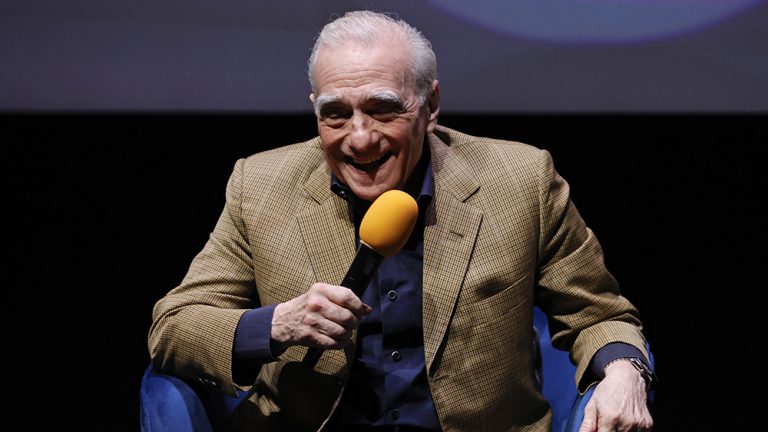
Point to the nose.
(363, 135)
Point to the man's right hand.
(323, 317)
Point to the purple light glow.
(594, 21)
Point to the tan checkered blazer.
(501, 235)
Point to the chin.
(370, 193)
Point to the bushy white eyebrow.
(325, 99)
(388, 96)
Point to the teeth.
(367, 161)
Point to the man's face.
(369, 117)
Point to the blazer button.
(396, 355)
(394, 414)
(392, 295)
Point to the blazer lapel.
(329, 238)
(327, 230)
(451, 228)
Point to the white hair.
(370, 28)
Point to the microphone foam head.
(389, 221)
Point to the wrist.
(280, 333)
(642, 369)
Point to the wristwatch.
(648, 376)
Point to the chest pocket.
(502, 302)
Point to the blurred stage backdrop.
(124, 119)
(514, 56)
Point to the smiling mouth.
(368, 166)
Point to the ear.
(312, 100)
(433, 104)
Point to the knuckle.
(347, 294)
(317, 286)
(343, 332)
(317, 289)
(310, 320)
(305, 333)
(348, 319)
(315, 303)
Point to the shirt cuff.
(613, 351)
(253, 336)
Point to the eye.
(334, 115)
(385, 110)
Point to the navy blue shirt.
(388, 385)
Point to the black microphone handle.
(358, 277)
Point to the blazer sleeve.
(194, 325)
(581, 298)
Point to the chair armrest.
(577, 411)
(169, 404)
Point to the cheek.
(401, 139)
(331, 141)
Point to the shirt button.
(394, 414)
(392, 295)
(396, 355)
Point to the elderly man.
(441, 339)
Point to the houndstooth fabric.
(500, 236)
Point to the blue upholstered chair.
(170, 404)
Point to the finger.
(345, 298)
(315, 330)
(607, 424)
(332, 335)
(340, 335)
(320, 306)
(337, 303)
(341, 316)
(332, 329)
(589, 424)
(321, 341)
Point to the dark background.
(107, 210)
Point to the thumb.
(589, 424)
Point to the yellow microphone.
(384, 230)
